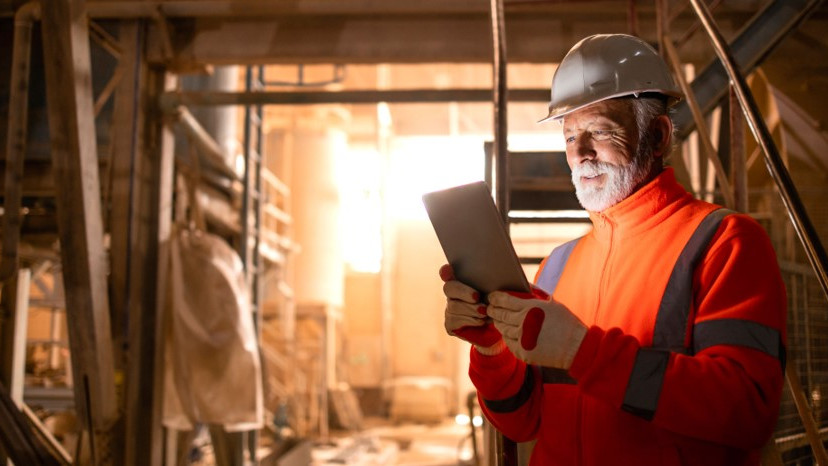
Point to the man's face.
(602, 151)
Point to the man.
(656, 339)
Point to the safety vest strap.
(514, 402)
(739, 332)
(674, 312)
(551, 273)
(644, 386)
(669, 334)
(558, 376)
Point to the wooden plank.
(18, 302)
(13, 319)
(151, 213)
(75, 163)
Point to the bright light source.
(551, 140)
(384, 115)
(462, 419)
(477, 421)
(427, 163)
(361, 203)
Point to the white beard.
(620, 181)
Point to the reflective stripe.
(738, 332)
(674, 311)
(556, 376)
(644, 387)
(551, 273)
(514, 402)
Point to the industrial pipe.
(500, 99)
(773, 161)
(505, 449)
(18, 116)
(205, 143)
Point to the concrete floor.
(382, 443)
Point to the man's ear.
(662, 135)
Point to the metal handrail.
(773, 161)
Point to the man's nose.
(583, 147)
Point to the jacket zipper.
(602, 284)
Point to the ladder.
(252, 198)
(251, 214)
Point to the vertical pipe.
(505, 449)
(500, 97)
(16, 135)
(632, 17)
(773, 161)
(661, 24)
(738, 165)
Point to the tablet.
(474, 238)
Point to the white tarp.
(213, 370)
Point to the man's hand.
(536, 328)
(465, 316)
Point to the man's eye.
(570, 139)
(601, 134)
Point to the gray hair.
(646, 109)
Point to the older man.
(659, 337)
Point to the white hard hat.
(605, 66)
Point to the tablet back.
(474, 238)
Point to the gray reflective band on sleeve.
(644, 386)
(738, 332)
(674, 311)
(514, 402)
(552, 271)
(556, 376)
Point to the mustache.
(591, 168)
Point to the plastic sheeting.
(213, 370)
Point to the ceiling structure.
(190, 33)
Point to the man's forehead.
(618, 111)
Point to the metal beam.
(752, 44)
(152, 225)
(176, 98)
(462, 38)
(134, 251)
(16, 135)
(74, 157)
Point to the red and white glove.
(465, 316)
(536, 328)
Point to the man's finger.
(446, 273)
(454, 289)
(509, 300)
(508, 316)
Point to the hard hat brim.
(563, 110)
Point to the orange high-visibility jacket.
(683, 360)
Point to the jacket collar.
(643, 209)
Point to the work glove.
(465, 316)
(536, 328)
